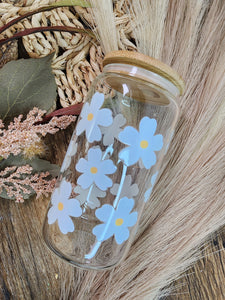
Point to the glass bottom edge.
(77, 264)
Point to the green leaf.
(82, 3)
(38, 164)
(24, 84)
(42, 165)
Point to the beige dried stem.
(187, 203)
(105, 26)
(148, 19)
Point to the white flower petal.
(82, 165)
(52, 215)
(122, 235)
(93, 133)
(103, 182)
(129, 155)
(102, 232)
(55, 196)
(85, 110)
(65, 189)
(65, 225)
(72, 208)
(94, 155)
(105, 117)
(85, 181)
(97, 101)
(129, 136)
(107, 167)
(81, 126)
(147, 127)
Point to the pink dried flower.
(18, 182)
(24, 136)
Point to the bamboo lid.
(146, 62)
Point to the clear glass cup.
(113, 160)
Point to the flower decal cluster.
(96, 169)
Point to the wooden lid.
(146, 62)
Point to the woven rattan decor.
(78, 58)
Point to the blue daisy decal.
(92, 116)
(64, 208)
(116, 222)
(142, 144)
(95, 170)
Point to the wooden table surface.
(29, 271)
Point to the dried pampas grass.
(105, 24)
(148, 18)
(188, 200)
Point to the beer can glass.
(113, 160)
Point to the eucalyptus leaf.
(42, 165)
(38, 164)
(24, 84)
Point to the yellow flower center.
(144, 144)
(90, 117)
(60, 206)
(94, 170)
(119, 222)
